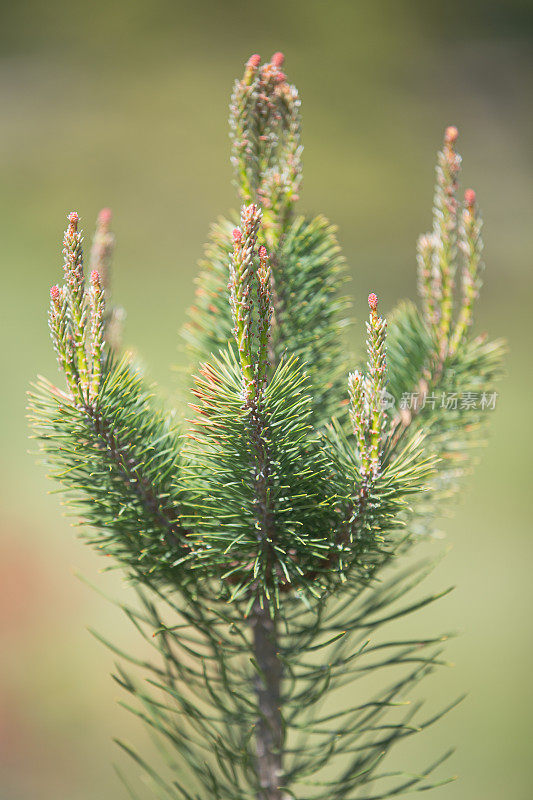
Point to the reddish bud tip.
(73, 218)
(54, 293)
(95, 278)
(450, 135)
(277, 59)
(237, 235)
(254, 61)
(263, 252)
(104, 217)
(373, 301)
(281, 77)
(470, 198)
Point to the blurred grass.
(124, 104)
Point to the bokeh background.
(124, 103)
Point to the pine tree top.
(300, 475)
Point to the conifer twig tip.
(451, 134)
(73, 219)
(470, 198)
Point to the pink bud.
(237, 235)
(450, 134)
(73, 219)
(281, 77)
(277, 59)
(253, 62)
(104, 217)
(470, 198)
(263, 252)
(95, 278)
(373, 301)
(55, 293)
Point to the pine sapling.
(262, 534)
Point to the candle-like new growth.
(251, 68)
(359, 415)
(429, 284)
(264, 315)
(266, 149)
(58, 322)
(241, 285)
(445, 228)
(102, 248)
(366, 394)
(97, 307)
(77, 318)
(75, 282)
(377, 376)
(455, 239)
(250, 276)
(471, 248)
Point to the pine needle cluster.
(262, 535)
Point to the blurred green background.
(124, 103)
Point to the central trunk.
(269, 731)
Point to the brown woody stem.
(269, 729)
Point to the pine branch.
(117, 467)
(309, 315)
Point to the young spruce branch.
(263, 535)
